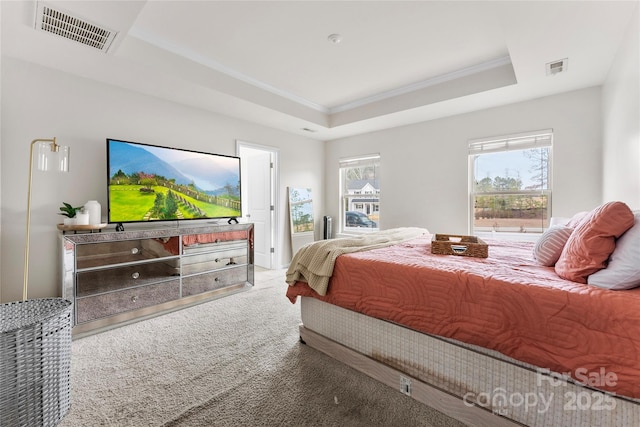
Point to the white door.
(258, 204)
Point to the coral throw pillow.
(576, 219)
(549, 246)
(593, 241)
(623, 271)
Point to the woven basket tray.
(452, 244)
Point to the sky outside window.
(511, 164)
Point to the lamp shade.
(52, 157)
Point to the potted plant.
(69, 212)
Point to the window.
(360, 194)
(510, 183)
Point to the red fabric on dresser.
(506, 302)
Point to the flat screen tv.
(154, 183)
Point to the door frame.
(274, 234)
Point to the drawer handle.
(218, 240)
(135, 275)
(217, 279)
(135, 251)
(134, 298)
(231, 261)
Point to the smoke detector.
(557, 67)
(55, 21)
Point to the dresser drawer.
(199, 283)
(199, 248)
(109, 304)
(125, 251)
(113, 279)
(201, 263)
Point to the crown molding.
(422, 84)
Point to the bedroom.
(596, 155)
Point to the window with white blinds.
(510, 182)
(513, 142)
(360, 194)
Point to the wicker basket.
(35, 362)
(451, 244)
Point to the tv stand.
(232, 220)
(114, 278)
(119, 227)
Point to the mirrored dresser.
(114, 278)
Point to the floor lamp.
(35, 334)
(51, 157)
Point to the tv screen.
(153, 183)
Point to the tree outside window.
(511, 183)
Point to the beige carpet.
(235, 361)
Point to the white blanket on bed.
(313, 263)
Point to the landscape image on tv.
(152, 183)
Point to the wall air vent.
(557, 67)
(65, 25)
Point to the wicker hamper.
(35, 362)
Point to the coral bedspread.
(505, 302)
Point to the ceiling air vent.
(61, 23)
(556, 67)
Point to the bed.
(500, 340)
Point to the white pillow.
(559, 220)
(549, 246)
(623, 270)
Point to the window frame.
(513, 142)
(373, 160)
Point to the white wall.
(621, 121)
(43, 103)
(424, 167)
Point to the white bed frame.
(476, 386)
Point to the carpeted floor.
(235, 361)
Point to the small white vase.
(82, 218)
(92, 207)
(69, 221)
